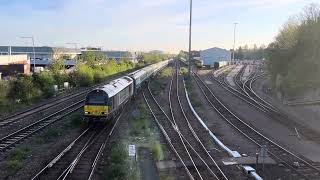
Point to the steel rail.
(260, 98)
(262, 103)
(168, 139)
(200, 142)
(259, 136)
(194, 133)
(102, 147)
(174, 121)
(21, 134)
(93, 138)
(57, 158)
(247, 91)
(236, 92)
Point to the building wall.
(212, 55)
(14, 64)
(13, 59)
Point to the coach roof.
(115, 86)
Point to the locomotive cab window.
(96, 98)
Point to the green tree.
(45, 81)
(294, 56)
(24, 89)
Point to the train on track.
(104, 102)
(219, 64)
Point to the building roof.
(47, 62)
(42, 49)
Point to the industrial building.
(41, 53)
(14, 64)
(117, 55)
(212, 55)
(23, 59)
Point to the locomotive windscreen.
(96, 98)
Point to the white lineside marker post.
(132, 153)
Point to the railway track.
(80, 158)
(243, 92)
(42, 108)
(300, 166)
(182, 117)
(14, 118)
(184, 141)
(169, 131)
(19, 135)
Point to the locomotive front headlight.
(86, 112)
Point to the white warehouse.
(212, 55)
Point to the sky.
(143, 25)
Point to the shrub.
(60, 78)
(45, 82)
(157, 151)
(118, 168)
(17, 159)
(4, 88)
(99, 75)
(84, 76)
(24, 89)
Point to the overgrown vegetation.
(196, 102)
(141, 124)
(17, 158)
(150, 58)
(161, 82)
(183, 71)
(157, 150)
(294, 55)
(92, 68)
(119, 167)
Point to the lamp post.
(190, 25)
(34, 52)
(234, 40)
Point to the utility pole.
(34, 52)
(189, 67)
(234, 41)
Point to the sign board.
(132, 150)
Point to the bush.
(24, 89)
(60, 78)
(84, 76)
(99, 75)
(157, 151)
(45, 82)
(17, 159)
(4, 88)
(118, 168)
